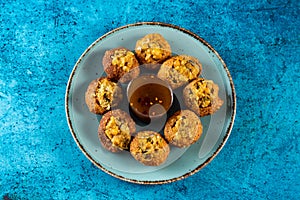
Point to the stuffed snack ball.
(183, 128)
(149, 148)
(152, 50)
(120, 64)
(202, 97)
(115, 130)
(102, 94)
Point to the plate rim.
(190, 173)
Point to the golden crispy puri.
(115, 130)
(202, 97)
(102, 94)
(183, 128)
(149, 148)
(152, 50)
(179, 70)
(120, 64)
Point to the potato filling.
(118, 132)
(176, 77)
(204, 92)
(123, 59)
(180, 127)
(150, 144)
(105, 93)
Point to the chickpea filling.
(105, 93)
(152, 51)
(188, 68)
(118, 132)
(154, 48)
(204, 92)
(123, 59)
(150, 144)
(180, 70)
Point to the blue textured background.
(40, 42)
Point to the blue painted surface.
(40, 42)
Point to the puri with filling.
(120, 64)
(149, 148)
(180, 70)
(115, 130)
(202, 97)
(152, 50)
(183, 128)
(102, 94)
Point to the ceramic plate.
(181, 162)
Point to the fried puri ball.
(149, 148)
(183, 128)
(102, 94)
(115, 130)
(202, 97)
(179, 70)
(120, 64)
(152, 50)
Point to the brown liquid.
(148, 95)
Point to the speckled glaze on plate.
(181, 163)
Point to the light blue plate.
(181, 163)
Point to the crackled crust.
(149, 148)
(120, 64)
(102, 94)
(115, 130)
(179, 70)
(152, 50)
(201, 96)
(183, 128)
